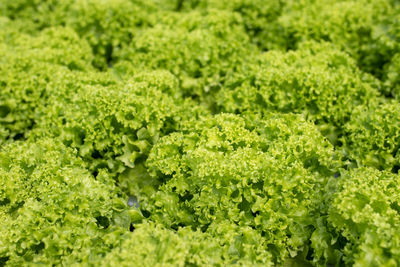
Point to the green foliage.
(373, 136)
(392, 77)
(27, 65)
(113, 125)
(360, 28)
(56, 45)
(260, 19)
(35, 13)
(201, 50)
(199, 133)
(317, 80)
(106, 25)
(23, 86)
(52, 210)
(223, 171)
(153, 245)
(365, 210)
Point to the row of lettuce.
(199, 133)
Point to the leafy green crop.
(154, 245)
(392, 78)
(361, 28)
(199, 133)
(52, 210)
(221, 171)
(373, 136)
(316, 80)
(364, 211)
(201, 50)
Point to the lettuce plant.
(361, 28)
(113, 125)
(226, 170)
(373, 136)
(392, 78)
(365, 211)
(199, 133)
(154, 245)
(201, 50)
(317, 80)
(28, 63)
(52, 209)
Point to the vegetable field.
(200, 133)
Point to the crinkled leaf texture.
(365, 211)
(266, 175)
(52, 210)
